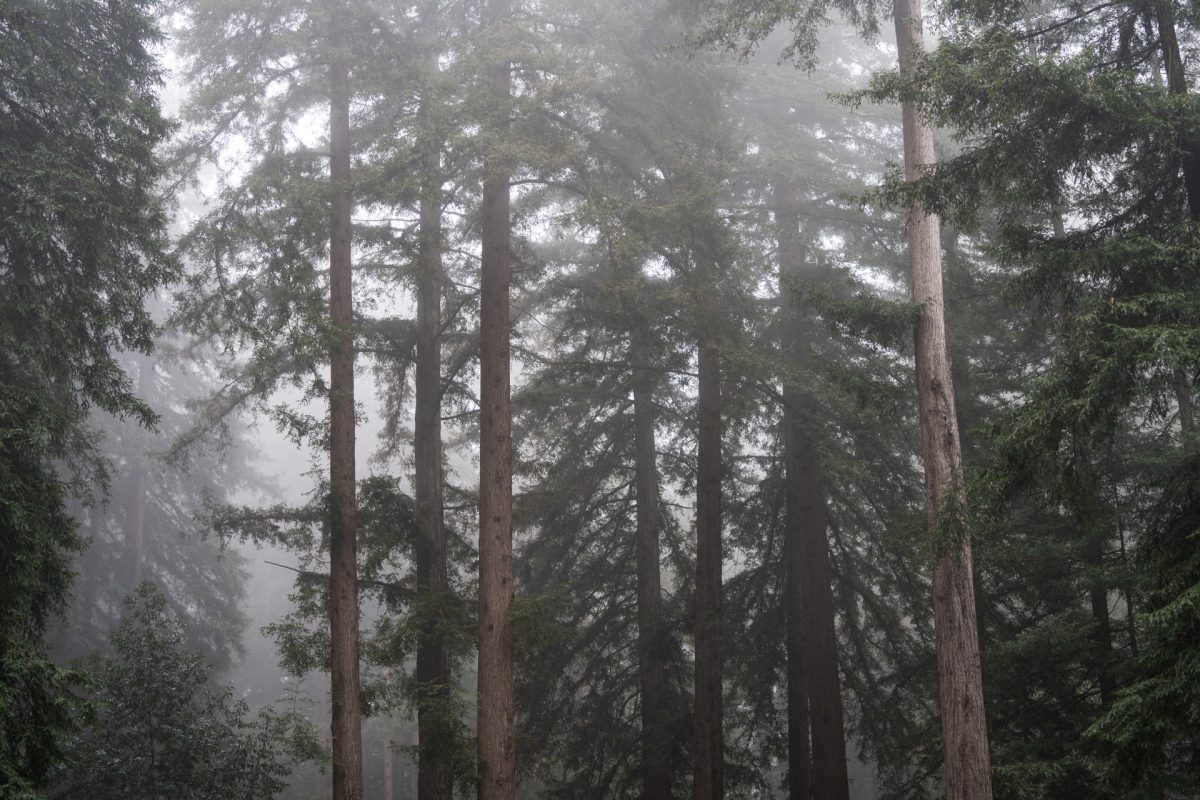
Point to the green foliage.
(159, 728)
(741, 25)
(81, 247)
(163, 485)
(1066, 170)
(386, 532)
(1150, 732)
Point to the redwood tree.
(814, 686)
(960, 682)
(434, 778)
(496, 740)
(343, 585)
(710, 747)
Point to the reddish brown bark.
(710, 746)
(434, 779)
(343, 585)
(496, 741)
(960, 685)
(812, 637)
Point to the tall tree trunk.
(496, 741)
(811, 625)
(343, 587)
(960, 684)
(135, 520)
(656, 770)
(710, 746)
(799, 723)
(1177, 84)
(434, 780)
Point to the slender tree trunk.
(811, 637)
(135, 521)
(343, 589)
(710, 746)
(389, 780)
(434, 781)
(800, 778)
(1127, 589)
(960, 684)
(656, 769)
(1187, 414)
(496, 741)
(1098, 593)
(1177, 84)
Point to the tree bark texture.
(652, 679)
(434, 780)
(964, 727)
(811, 635)
(710, 747)
(496, 741)
(343, 588)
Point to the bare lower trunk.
(389, 780)
(496, 741)
(812, 638)
(343, 588)
(799, 723)
(710, 749)
(656, 772)
(434, 780)
(960, 685)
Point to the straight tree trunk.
(496, 740)
(1187, 414)
(799, 723)
(135, 522)
(960, 683)
(389, 780)
(434, 781)
(710, 746)
(812, 638)
(656, 771)
(1177, 84)
(1098, 594)
(343, 587)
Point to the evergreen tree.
(81, 248)
(160, 486)
(159, 729)
(1073, 137)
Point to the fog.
(582, 399)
